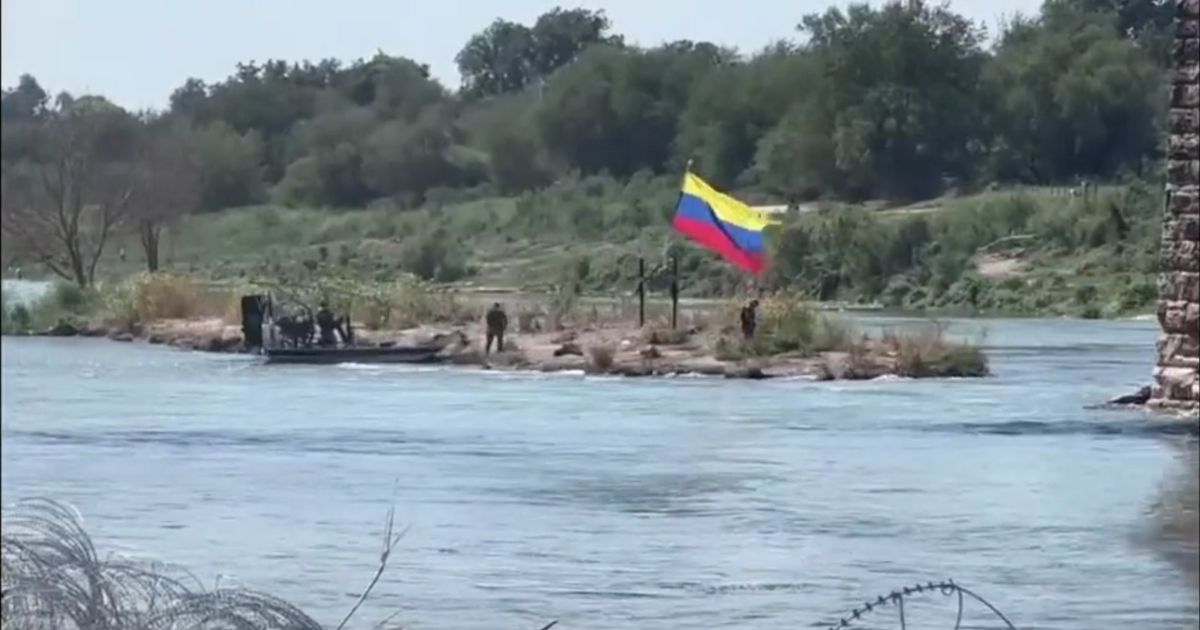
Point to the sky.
(136, 52)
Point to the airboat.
(289, 339)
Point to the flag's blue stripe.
(696, 209)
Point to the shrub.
(927, 353)
(149, 297)
(601, 357)
(831, 333)
(19, 319)
(787, 324)
(665, 336)
(729, 349)
(1085, 294)
(403, 303)
(69, 297)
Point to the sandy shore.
(613, 349)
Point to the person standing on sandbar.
(497, 323)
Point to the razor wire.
(896, 599)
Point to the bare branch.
(389, 542)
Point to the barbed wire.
(896, 598)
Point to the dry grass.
(786, 325)
(527, 322)
(601, 357)
(927, 352)
(665, 336)
(146, 298)
(404, 303)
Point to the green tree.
(902, 84)
(732, 107)
(616, 109)
(496, 60)
(230, 167)
(559, 36)
(1072, 98)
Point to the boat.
(355, 354)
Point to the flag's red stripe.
(710, 236)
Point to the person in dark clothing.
(750, 319)
(497, 322)
(328, 325)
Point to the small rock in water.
(1137, 398)
(62, 329)
(124, 336)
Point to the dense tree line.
(902, 101)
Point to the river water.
(608, 503)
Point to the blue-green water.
(610, 503)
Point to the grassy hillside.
(1033, 251)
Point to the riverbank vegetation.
(793, 339)
(927, 168)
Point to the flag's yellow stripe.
(727, 208)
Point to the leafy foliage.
(585, 135)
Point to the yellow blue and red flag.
(722, 224)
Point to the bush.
(69, 297)
(927, 353)
(149, 297)
(405, 302)
(789, 325)
(601, 357)
(665, 336)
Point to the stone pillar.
(1177, 376)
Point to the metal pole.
(674, 291)
(641, 291)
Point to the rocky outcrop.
(63, 328)
(1177, 375)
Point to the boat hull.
(331, 356)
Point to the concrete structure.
(1177, 376)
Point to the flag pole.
(687, 169)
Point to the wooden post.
(641, 288)
(674, 291)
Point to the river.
(609, 503)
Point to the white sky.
(137, 51)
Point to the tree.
(327, 159)
(730, 110)
(406, 160)
(168, 185)
(507, 57)
(617, 109)
(24, 103)
(503, 127)
(497, 60)
(1072, 97)
(902, 91)
(67, 199)
(231, 167)
(559, 36)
